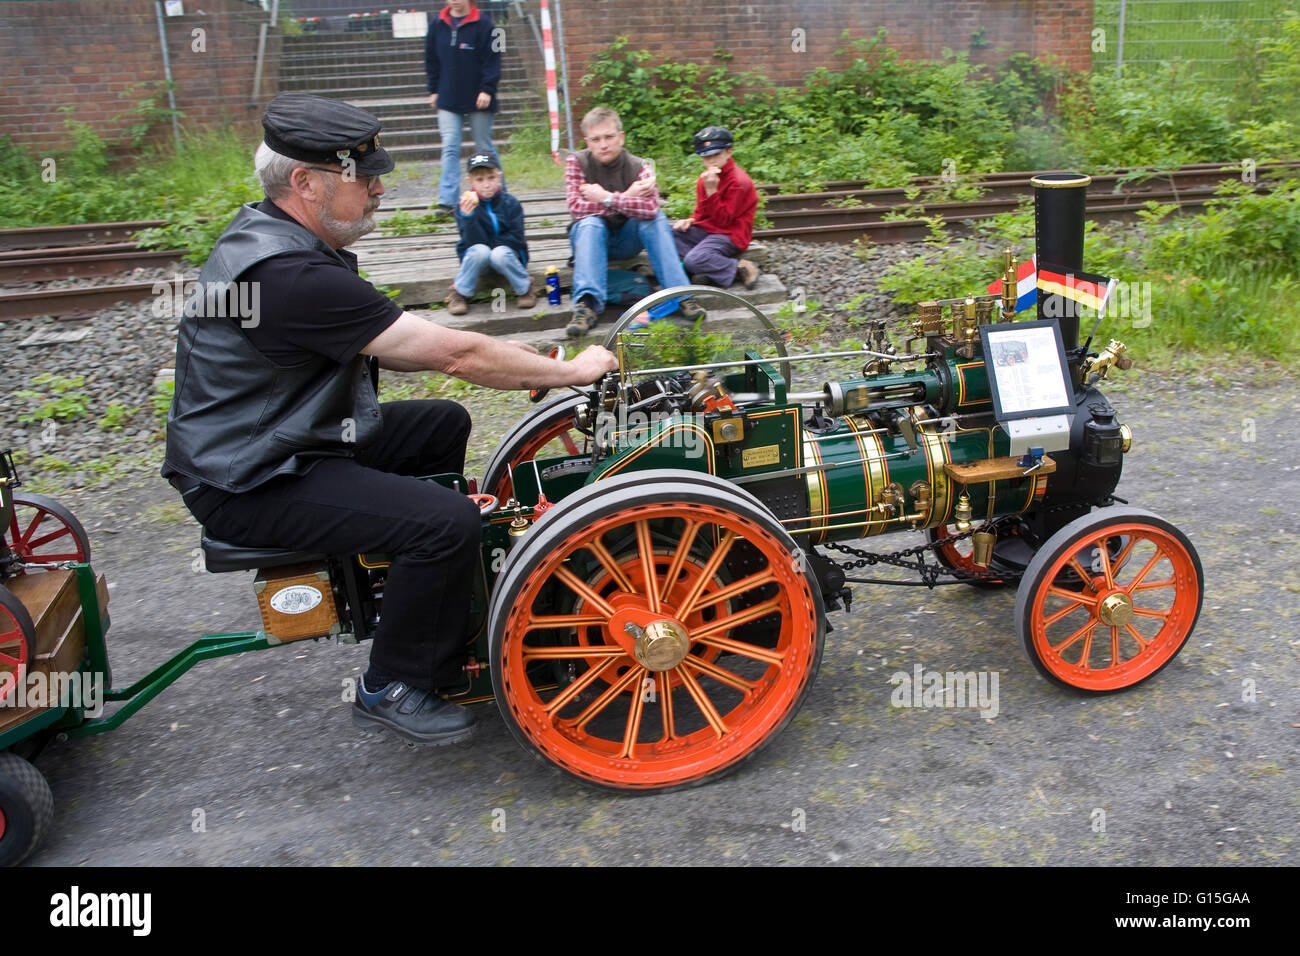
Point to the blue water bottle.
(552, 285)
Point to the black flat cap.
(315, 129)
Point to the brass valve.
(1111, 357)
(520, 524)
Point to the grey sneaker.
(583, 321)
(420, 716)
(747, 272)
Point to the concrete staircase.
(386, 77)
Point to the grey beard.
(346, 233)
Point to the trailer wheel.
(551, 423)
(665, 691)
(1109, 600)
(17, 638)
(43, 530)
(26, 808)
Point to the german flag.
(1081, 287)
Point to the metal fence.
(1211, 36)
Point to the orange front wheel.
(1109, 600)
(638, 665)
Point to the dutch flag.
(1026, 285)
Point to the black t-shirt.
(310, 304)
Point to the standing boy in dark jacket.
(462, 57)
(491, 223)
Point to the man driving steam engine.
(276, 437)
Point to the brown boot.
(747, 273)
(456, 304)
(528, 298)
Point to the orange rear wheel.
(1109, 600)
(548, 431)
(680, 663)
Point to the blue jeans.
(594, 244)
(501, 258)
(450, 127)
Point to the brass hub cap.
(661, 646)
(1116, 610)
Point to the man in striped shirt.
(614, 202)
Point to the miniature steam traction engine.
(658, 549)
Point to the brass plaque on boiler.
(763, 455)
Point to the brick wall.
(761, 34)
(89, 54)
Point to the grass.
(95, 182)
(1207, 33)
(529, 164)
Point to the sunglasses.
(368, 180)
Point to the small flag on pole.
(1082, 287)
(1026, 285)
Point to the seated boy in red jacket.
(711, 241)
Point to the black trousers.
(371, 504)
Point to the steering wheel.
(537, 394)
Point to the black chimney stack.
(1059, 200)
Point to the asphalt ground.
(1187, 768)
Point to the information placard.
(1026, 367)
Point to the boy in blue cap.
(491, 223)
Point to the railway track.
(841, 212)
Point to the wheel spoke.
(1084, 576)
(608, 697)
(1150, 612)
(1085, 631)
(1148, 585)
(1073, 596)
(647, 553)
(577, 687)
(1114, 646)
(1052, 619)
(26, 535)
(540, 621)
(1142, 642)
(597, 547)
(666, 706)
(568, 653)
(743, 649)
(680, 555)
(1155, 559)
(580, 588)
(735, 620)
(710, 568)
(1087, 650)
(633, 728)
(1124, 553)
(570, 446)
(755, 580)
(717, 673)
(11, 661)
(1103, 555)
(52, 536)
(702, 702)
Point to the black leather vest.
(238, 419)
